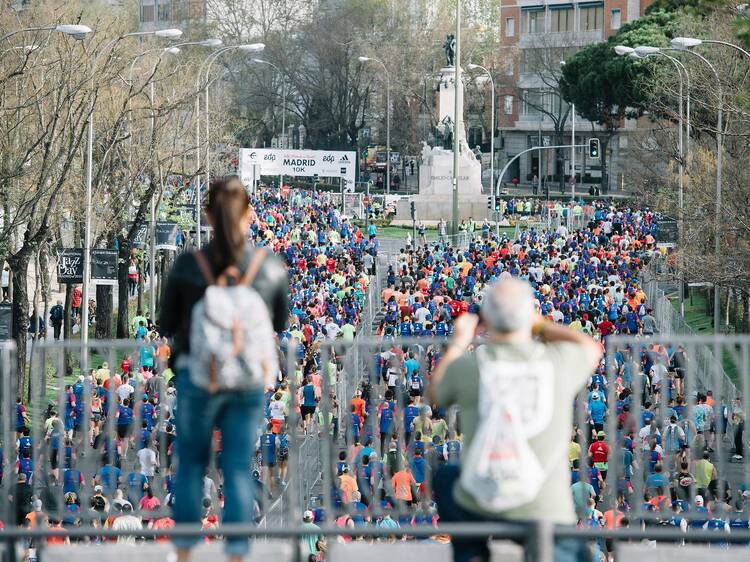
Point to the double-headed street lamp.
(492, 135)
(207, 62)
(164, 34)
(685, 48)
(685, 44)
(387, 120)
(283, 109)
(74, 30)
(173, 50)
(622, 50)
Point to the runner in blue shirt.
(268, 446)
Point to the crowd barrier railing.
(362, 363)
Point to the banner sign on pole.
(70, 266)
(104, 266)
(6, 321)
(666, 232)
(298, 163)
(141, 234)
(166, 235)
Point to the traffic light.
(413, 210)
(489, 202)
(593, 148)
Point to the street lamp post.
(173, 50)
(387, 121)
(683, 46)
(163, 33)
(207, 62)
(492, 135)
(683, 153)
(283, 108)
(457, 119)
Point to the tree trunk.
(45, 280)
(603, 146)
(67, 315)
(19, 269)
(745, 312)
(123, 261)
(103, 312)
(141, 283)
(560, 160)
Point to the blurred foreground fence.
(655, 378)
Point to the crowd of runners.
(103, 453)
(588, 279)
(106, 456)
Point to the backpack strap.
(253, 267)
(203, 265)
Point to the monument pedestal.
(435, 199)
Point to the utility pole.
(457, 119)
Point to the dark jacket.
(186, 285)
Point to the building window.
(534, 21)
(616, 19)
(508, 105)
(165, 12)
(533, 60)
(563, 20)
(533, 103)
(592, 18)
(147, 13)
(197, 10)
(510, 27)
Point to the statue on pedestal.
(447, 133)
(450, 49)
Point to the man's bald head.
(508, 306)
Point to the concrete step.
(260, 551)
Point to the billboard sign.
(298, 163)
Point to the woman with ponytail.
(237, 414)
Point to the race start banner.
(298, 163)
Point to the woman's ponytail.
(227, 205)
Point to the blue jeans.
(472, 549)
(237, 415)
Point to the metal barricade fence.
(670, 322)
(365, 365)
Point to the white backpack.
(500, 470)
(232, 342)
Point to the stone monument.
(435, 199)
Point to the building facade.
(160, 14)
(536, 38)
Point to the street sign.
(104, 266)
(70, 266)
(6, 321)
(666, 232)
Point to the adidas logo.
(344, 158)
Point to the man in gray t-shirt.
(536, 382)
(648, 323)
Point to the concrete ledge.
(505, 551)
(391, 552)
(277, 551)
(670, 553)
